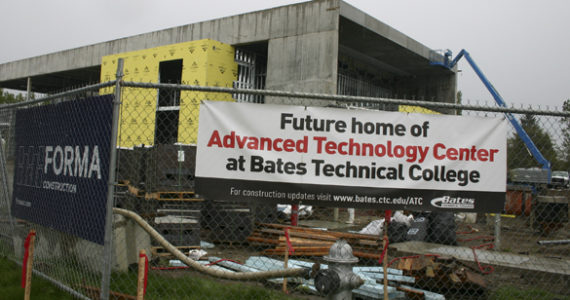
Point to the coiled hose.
(293, 272)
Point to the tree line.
(7, 97)
(557, 153)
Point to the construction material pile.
(311, 241)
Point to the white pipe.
(294, 272)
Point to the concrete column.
(29, 89)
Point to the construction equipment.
(534, 152)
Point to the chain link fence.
(197, 246)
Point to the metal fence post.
(497, 231)
(108, 247)
(6, 195)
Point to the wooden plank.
(406, 264)
(492, 257)
(304, 241)
(430, 272)
(412, 294)
(135, 191)
(362, 254)
(293, 233)
(454, 278)
(475, 279)
(338, 234)
(261, 240)
(172, 196)
(322, 237)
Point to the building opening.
(168, 108)
(252, 71)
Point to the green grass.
(10, 284)
(514, 293)
(190, 285)
(180, 285)
(187, 285)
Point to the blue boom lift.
(448, 63)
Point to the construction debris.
(312, 242)
(402, 286)
(440, 274)
(415, 277)
(422, 276)
(370, 275)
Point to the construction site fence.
(151, 205)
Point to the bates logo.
(453, 202)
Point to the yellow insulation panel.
(204, 63)
(416, 109)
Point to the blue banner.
(62, 166)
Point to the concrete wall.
(305, 60)
(306, 63)
(275, 23)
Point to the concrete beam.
(382, 29)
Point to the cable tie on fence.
(26, 257)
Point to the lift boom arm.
(520, 130)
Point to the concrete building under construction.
(325, 46)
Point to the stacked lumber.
(312, 242)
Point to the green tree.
(6, 97)
(518, 155)
(565, 147)
(459, 101)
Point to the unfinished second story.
(324, 46)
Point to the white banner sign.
(351, 157)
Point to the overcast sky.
(522, 46)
